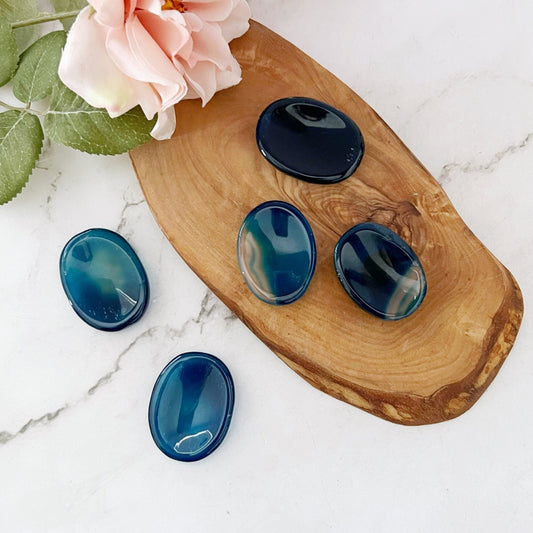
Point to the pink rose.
(152, 53)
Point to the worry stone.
(104, 279)
(309, 140)
(380, 271)
(276, 252)
(191, 406)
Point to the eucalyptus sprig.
(29, 63)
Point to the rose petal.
(109, 13)
(147, 97)
(170, 94)
(205, 79)
(170, 33)
(210, 45)
(229, 77)
(211, 10)
(237, 23)
(137, 55)
(100, 83)
(165, 125)
(150, 5)
(202, 80)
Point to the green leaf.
(37, 72)
(9, 56)
(16, 11)
(73, 122)
(21, 141)
(68, 5)
(26, 36)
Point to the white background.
(455, 80)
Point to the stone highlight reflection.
(104, 279)
(191, 406)
(276, 252)
(310, 140)
(380, 271)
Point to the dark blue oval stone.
(191, 406)
(276, 252)
(309, 140)
(104, 280)
(380, 272)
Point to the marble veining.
(6, 436)
(74, 461)
(208, 306)
(123, 215)
(495, 160)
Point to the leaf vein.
(22, 114)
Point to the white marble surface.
(455, 80)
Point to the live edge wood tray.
(200, 185)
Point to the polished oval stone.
(276, 252)
(310, 140)
(191, 406)
(104, 279)
(380, 271)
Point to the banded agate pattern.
(104, 279)
(380, 271)
(276, 252)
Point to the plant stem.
(26, 109)
(7, 106)
(45, 17)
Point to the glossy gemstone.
(104, 280)
(380, 272)
(310, 140)
(276, 252)
(191, 406)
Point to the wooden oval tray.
(201, 184)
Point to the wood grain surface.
(429, 367)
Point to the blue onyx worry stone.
(380, 271)
(104, 279)
(191, 406)
(276, 252)
(310, 140)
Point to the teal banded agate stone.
(276, 252)
(380, 271)
(309, 140)
(191, 406)
(104, 279)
